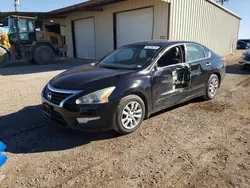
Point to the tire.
(43, 55)
(212, 87)
(4, 57)
(135, 121)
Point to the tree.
(222, 1)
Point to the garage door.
(133, 26)
(85, 38)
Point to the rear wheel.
(129, 115)
(4, 57)
(212, 87)
(43, 55)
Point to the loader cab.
(21, 30)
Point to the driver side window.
(173, 56)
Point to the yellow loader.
(23, 42)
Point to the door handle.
(208, 64)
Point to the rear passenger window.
(194, 52)
(207, 52)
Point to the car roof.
(241, 41)
(161, 43)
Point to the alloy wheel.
(213, 86)
(131, 115)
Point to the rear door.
(200, 67)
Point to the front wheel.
(129, 115)
(212, 87)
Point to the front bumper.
(92, 117)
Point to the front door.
(170, 78)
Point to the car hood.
(85, 77)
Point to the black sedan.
(245, 60)
(130, 84)
(243, 45)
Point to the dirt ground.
(197, 144)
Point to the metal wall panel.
(194, 20)
(203, 22)
(104, 23)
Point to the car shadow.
(236, 69)
(24, 67)
(195, 100)
(28, 131)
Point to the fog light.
(86, 120)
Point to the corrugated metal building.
(95, 28)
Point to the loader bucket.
(4, 57)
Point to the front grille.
(58, 119)
(55, 97)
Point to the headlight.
(100, 96)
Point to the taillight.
(223, 60)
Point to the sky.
(240, 7)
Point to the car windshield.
(129, 57)
(245, 40)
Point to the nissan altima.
(131, 83)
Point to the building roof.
(223, 8)
(96, 5)
(91, 5)
(43, 15)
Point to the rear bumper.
(223, 73)
(96, 117)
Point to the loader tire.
(4, 57)
(43, 55)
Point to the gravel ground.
(197, 144)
